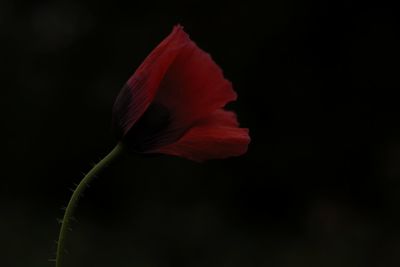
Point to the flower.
(173, 104)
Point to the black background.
(318, 87)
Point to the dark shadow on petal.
(124, 99)
(152, 130)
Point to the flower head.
(173, 104)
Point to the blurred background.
(318, 87)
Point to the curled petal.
(215, 137)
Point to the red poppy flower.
(173, 104)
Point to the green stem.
(75, 198)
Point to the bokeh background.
(318, 87)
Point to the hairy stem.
(75, 198)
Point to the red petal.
(141, 88)
(193, 87)
(218, 136)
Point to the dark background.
(318, 87)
